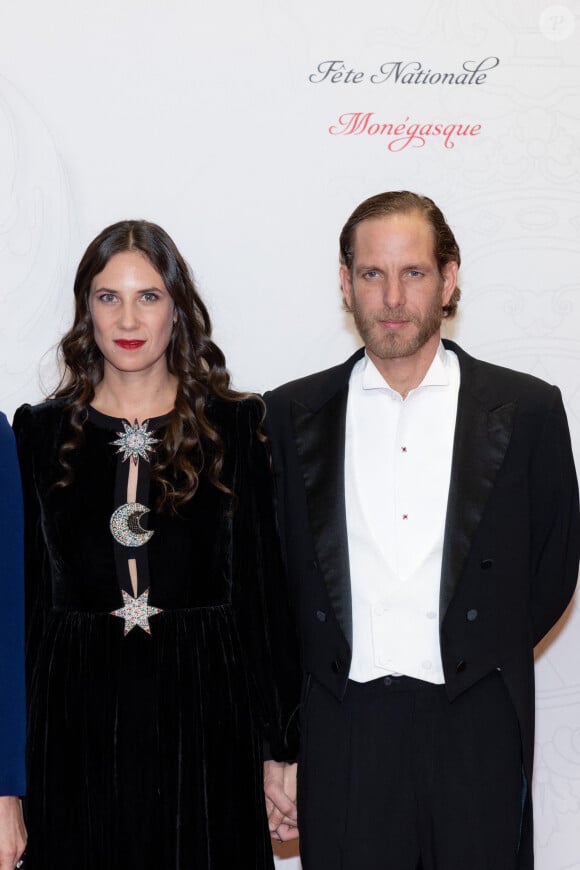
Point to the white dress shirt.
(398, 456)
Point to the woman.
(12, 719)
(157, 632)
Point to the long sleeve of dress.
(12, 714)
(260, 593)
(36, 576)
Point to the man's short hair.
(391, 202)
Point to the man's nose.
(393, 292)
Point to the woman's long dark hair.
(194, 359)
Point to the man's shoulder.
(505, 383)
(313, 386)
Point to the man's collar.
(437, 375)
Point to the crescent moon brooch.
(135, 441)
(125, 525)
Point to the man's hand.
(280, 790)
(12, 832)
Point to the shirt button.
(431, 614)
(387, 681)
(321, 615)
(426, 665)
(471, 615)
(486, 564)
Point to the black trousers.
(398, 778)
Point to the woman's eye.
(107, 297)
(150, 297)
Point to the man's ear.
(449, 274)
(347, 288)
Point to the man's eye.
(414, 273)
(371, 273)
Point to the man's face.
(395, 289)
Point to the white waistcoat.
(397, 470)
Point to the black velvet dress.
(158, 660)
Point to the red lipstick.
(129, 344)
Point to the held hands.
(280, 790)
(12, 832)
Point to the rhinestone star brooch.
(136, 612)
(135, 441)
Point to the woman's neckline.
(106, 421)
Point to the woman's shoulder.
(247, 409)
(45, 416)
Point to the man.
(428, 508)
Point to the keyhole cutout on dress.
(132, 497)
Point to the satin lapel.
(320, 436)
(481, 440)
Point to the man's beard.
(391, 345)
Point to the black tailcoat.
(512, 532)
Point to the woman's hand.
(280, 790)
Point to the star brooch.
(136, 612)
(135, 441)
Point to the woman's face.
(132, 313)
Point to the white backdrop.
(223, 123)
